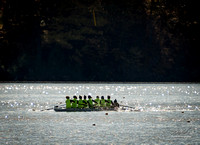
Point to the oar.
(127, 106)
(47, 109)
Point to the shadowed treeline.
(99, 40)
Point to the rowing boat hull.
(63, 109)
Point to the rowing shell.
(64, 109)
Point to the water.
(170, 114)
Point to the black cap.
(80, 97)
(97, 96)
(89, 96)
(75, 97)
(108, 97)
(102, 97)
(67, 97)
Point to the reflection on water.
(169, 114)
(151, 97)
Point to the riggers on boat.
(64, 109)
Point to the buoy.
(188, 121)
(182, 112)
(106, 114)
(94, 124)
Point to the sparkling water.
(170, 114)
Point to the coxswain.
(74, 102)
(115, 104)
(102, 102)
(68, 102)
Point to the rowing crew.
(90, 103)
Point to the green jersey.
(74, 104)
(80, 103)
(103, 103)
(90, 103)
(85, 103)
(108, 104)
(98, 102)
(68, 103)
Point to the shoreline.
(96, 82)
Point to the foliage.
(99, 40)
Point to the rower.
(108, 102)
(102, 102)
(90, 102)
(80, 102)
(68, 102)
(85, 102)
(98, 101)
(74, 104)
